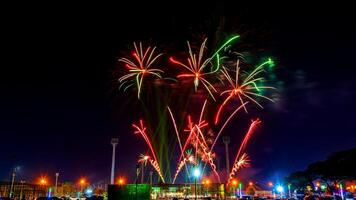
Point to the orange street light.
(121, 181)
(43, 181)
(234, 182)
(250, 183)
(317, 184)
(82, 181)
(206, 182)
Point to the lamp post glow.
(234, 183)
(43, 183)
(280, 189)
(196, 174)
(82, 183)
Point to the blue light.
(88, 191)
(196, 172)
(280, 189)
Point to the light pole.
(82, 183)
(22, 182)
(280, 189)
(240, 190)
(143, 160)
(196, 174)
(226, 140)
(56, 185)
(114, 142)
(151, 174)
(43, 183)
(137, 173)
(234, 183)
(12, 183)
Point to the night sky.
(59, 102)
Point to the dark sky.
(59, 106)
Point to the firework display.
(139, 67)
(195, 131)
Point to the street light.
(196, 174)
(114, 142)
(206, 183)
(280, 189)
(240, 189)
(22, 182)
(121, 181)
(270, 184)
(13, 180)
(234, 183)
(43, 183)
(82, 183)
(56, 185)
(12, 183)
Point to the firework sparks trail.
(140, 67)
(189, 158)
(245, 88)
(243, 160)
(141, 129)
(179, 141)
(196, 66)
(191, 129)
(226, 122)
(223, 127)
(207, 153)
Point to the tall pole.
(22, 182)
(142, 171)
(114, 142)
(56, 186)
(12, 183)
(195, 188)
(137, 173)
(226, 140)
(151, 174)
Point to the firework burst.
(196, 66)
(139, 67)
(246, 88)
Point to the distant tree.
(299, 180)
(339, 166)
